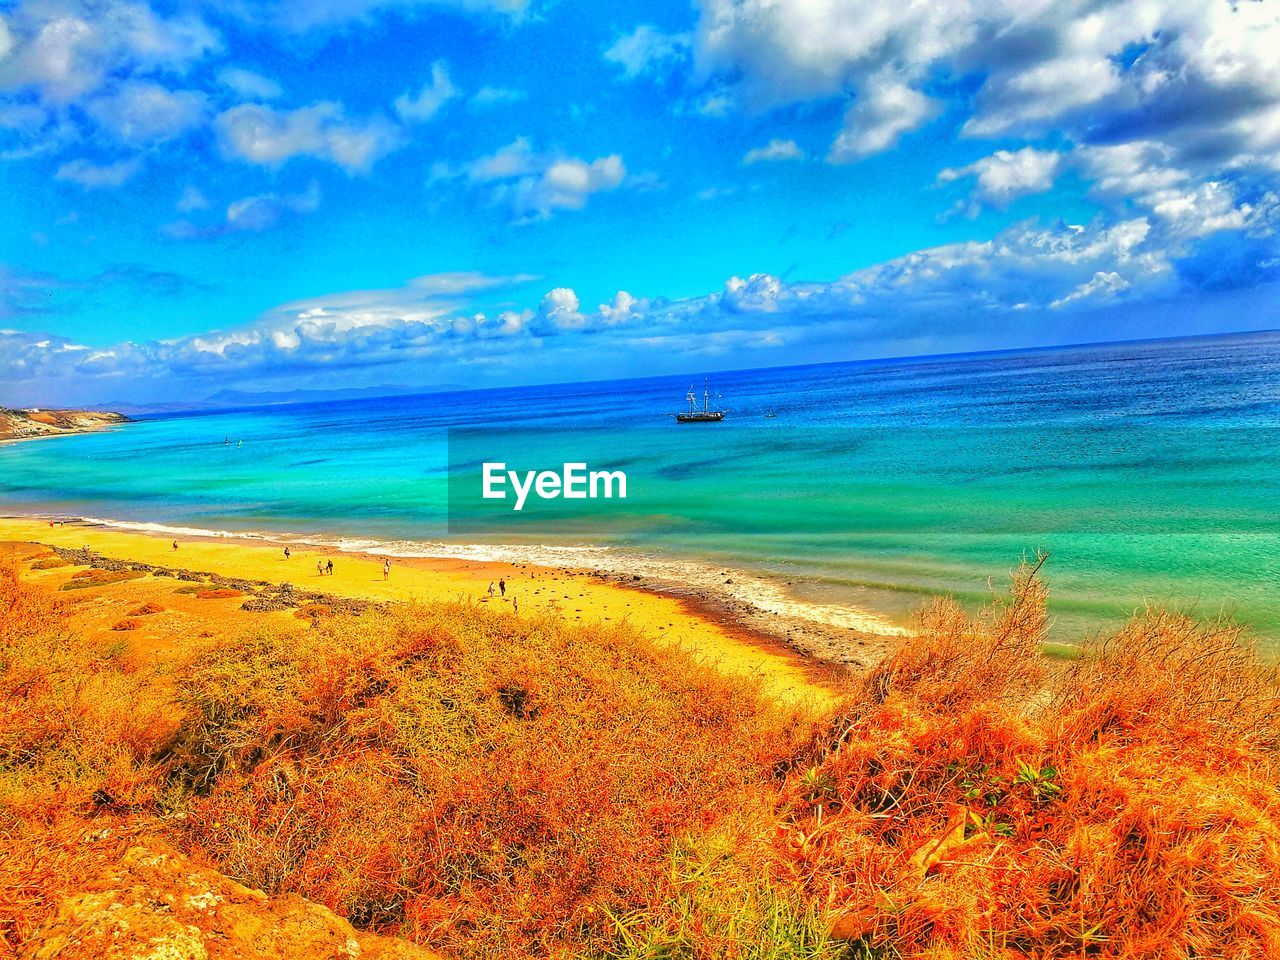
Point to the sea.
(1148, 472)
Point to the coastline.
(794, 658)
(848, 636)
(17, 426)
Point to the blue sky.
(267, 194)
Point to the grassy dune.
(492, 785)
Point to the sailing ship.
(706, 414)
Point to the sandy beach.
(716, 631)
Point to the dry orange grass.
(1128, 808)
(80, 734)
(503, 786)
(490, 785)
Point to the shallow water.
(1149, 471)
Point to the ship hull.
(712, 417)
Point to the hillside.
(484, 784)
(36, 422)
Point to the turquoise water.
(1149, 471)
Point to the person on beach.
(502, 587)
(319, 568)
(175, 544)
(329, 567)
(515, 604)
(490, 584)
(386, 569)
(286, 553)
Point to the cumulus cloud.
(62, 51)
(429, 100)
(269, 137)
(534, 185)
(97, 176)
(76, 70)
(877, 119)
(776, 149)
(647, 50)
(1028, 275)
(490, 96)
(248, 85)
(1199, 79)
(1007, 175)
(140, 112)
(252, 214)
(302, 16)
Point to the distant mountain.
(249, 398)
(265, 398)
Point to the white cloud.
(252, 214)
(647, 50)
(139, 112)
(877, 119)
(192, 199)
(623, 308)
(430, 99)
(1206, 209)
(248, 85)
(64, 50)
(308, 15)
(263, 135)
(94, 176)
(776, 149)
(1102, 284)
(489, 96)
(1201, 80)
(1007, 175)
(1030, 280)
(560, 308)
(534, 185)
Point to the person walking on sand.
(319, 568)
(502, 586)
(175, 544)
(386, 569)
(329, 567)
(515, 604)
(490, 585)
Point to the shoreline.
(844, 635)
(794, 659)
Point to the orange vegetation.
(496, 786)
(963, 806)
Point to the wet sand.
(782, 654)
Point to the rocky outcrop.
(156, 905)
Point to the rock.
(156, 905)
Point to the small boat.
(705, 415)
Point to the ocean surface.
(1149, 471)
